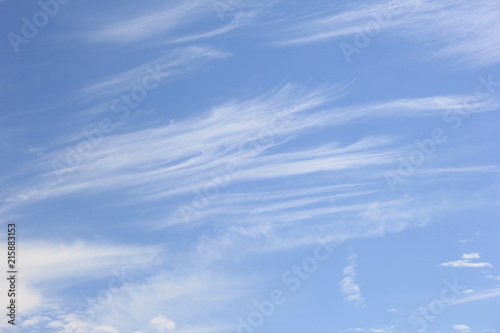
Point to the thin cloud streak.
(174, 63)
(473, 44)
(139, 27)
(206, 143)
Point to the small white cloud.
(392, 310)
(162, 324)
(466, 263)
(461, 328)
(348, 285)
(470, 256)
(468, 291)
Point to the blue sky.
(268, 166)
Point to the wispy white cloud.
(166, 67)
(439, 24)
(462, 171)
(49, 268)
(277, 228)
(467, 261)
(235, 23)
(48, 262)
(332, 24)
(348, 285)
(212, 140)
(147, 168)
(173, 22)
(493, 277)
(141, 25)
(477, 296)
(166, 302)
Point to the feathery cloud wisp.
(473, 44)
(348, 285)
